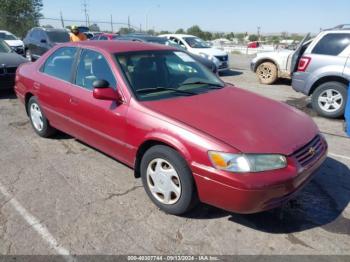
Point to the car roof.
(51, 29)
(177, 35)
(120, 46)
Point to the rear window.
(58, 37)
(332, 44)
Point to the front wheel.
(167, 180)
(329, 99)
(267, 73)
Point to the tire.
(28, 55)
(331, 95)
(267, 73)
(168, 160)
(38, 120)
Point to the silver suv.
(323, 71)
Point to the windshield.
(155, 75)
(7, 36)
(58, 36)
(196, 42)
(4, 48)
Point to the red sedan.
(186, 133)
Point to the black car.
(39, 40)
(163, 41)
(9, 61)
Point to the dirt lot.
(59, 196)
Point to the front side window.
(332, 44)
(196, 42)
(155, 75)
(60, 63)
(93, 66)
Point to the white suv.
(198, 46)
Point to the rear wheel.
(267, 73)
(38, 120)
(167, 180)
(329, 99)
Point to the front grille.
(8, 70)
(222, 58)
(310, 152)
(11, 70)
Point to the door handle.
(36, 85)
(73, 101)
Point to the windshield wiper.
(211, 85)
(151, 90)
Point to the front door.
(99, 123)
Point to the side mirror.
(102, 91)
(43, 41)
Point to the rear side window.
(332, 44)
(58, 36)
(60, 63)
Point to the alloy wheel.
(330, 100)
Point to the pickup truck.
(270, 66)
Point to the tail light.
(303, 63)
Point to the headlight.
(244, 163)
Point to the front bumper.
(7, 82)
(257, 192)
(252, 66)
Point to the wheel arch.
(154, 141)
(27, 96)
(264, 60)
(326, 79)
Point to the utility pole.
(112, 23)
(129, 22)
(85, 11)
(259, 28)
(62, 21)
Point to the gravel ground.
(61, 196)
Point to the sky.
(273, 16)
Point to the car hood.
(208, 51)
(14, 42)
(246, 121)
(11, 59)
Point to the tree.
(94, 27)
(126, 30)
(180, 31)
(253, 38)
(18, 16)
(164, 32)
(151, 32)
(240, 37)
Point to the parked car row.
(319, 68)
(9, 62)
(188, 135)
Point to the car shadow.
(320, 204)
(230, 72)
(7, 94)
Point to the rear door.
(294, 59)
(55, 85)
(97, 122)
